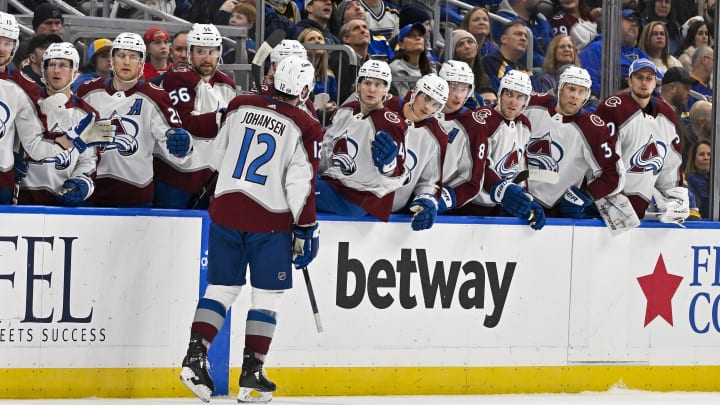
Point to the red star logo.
(659, 289)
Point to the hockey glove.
(178, 141)
(537, 216)
(574, 203)
(675, 203)
(425, 208)
(89, 132)
(306, 242)
(21, 167)
(345, 162)
(447, 200)
(384, 152)
(512, 197)
(76, 190)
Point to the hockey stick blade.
(541, 176)
(313, 303)
(262, 53)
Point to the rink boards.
(99, 303)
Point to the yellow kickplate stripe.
(165, 383)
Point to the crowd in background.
(674, 34)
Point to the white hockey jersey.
(142, 116)
(466, 168)
(650, 146)
(425, 144)
(386, 23)
(579, 148)
(18, 114)
(266, 155)
(506, 148)
(44, 180)
(352, 133)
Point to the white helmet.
(9, 29)
(131, 42)
(577, 76)
(517, 81)
(287, 47)
(293, 75)
(434, 86)
(62, 50)
(458, 71)
(375, 69)
(204, 35)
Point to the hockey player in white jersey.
(466, 170)
(576, 145)
(363, 151)
(146, 123)
(200, 93)
(425, 144)
(646, 129)
(285, 49)
(70, 183)
(18, 115)
(263, 216)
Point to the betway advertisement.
(96, 291)
(488, 294)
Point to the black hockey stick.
(313, 303)
(262, 53)
(16, 186)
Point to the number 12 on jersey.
(249, 140)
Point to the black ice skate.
(195, 372)
(254, 386)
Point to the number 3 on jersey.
(251, 174)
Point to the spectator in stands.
(99, 62)
(488, 95)
(48, 19)
(382, 18)
(702, 70)
(654, 41)
(697, 35)
(179, 50)
(575, 18)
(318, 16)
(560, 53)
(675, 90)
(410, 59)
(509, 56)
(324, 77)
(663, 11)
(379, 48)
(477, 22)
(157, 41)
(700, 128)
(354, 33)
(527, 12)
(709, 14)
(697, 170)
(411, 14)
(465, 49)
(591, 56)
(33, 65)
(244, 15)
(285, 8)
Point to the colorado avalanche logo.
(480, 115)
(544, 153)
(4, 117)
(507, 165)
(411, 161)
(126, 133)
(649, 158)
(392, 117)
(613, 101)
